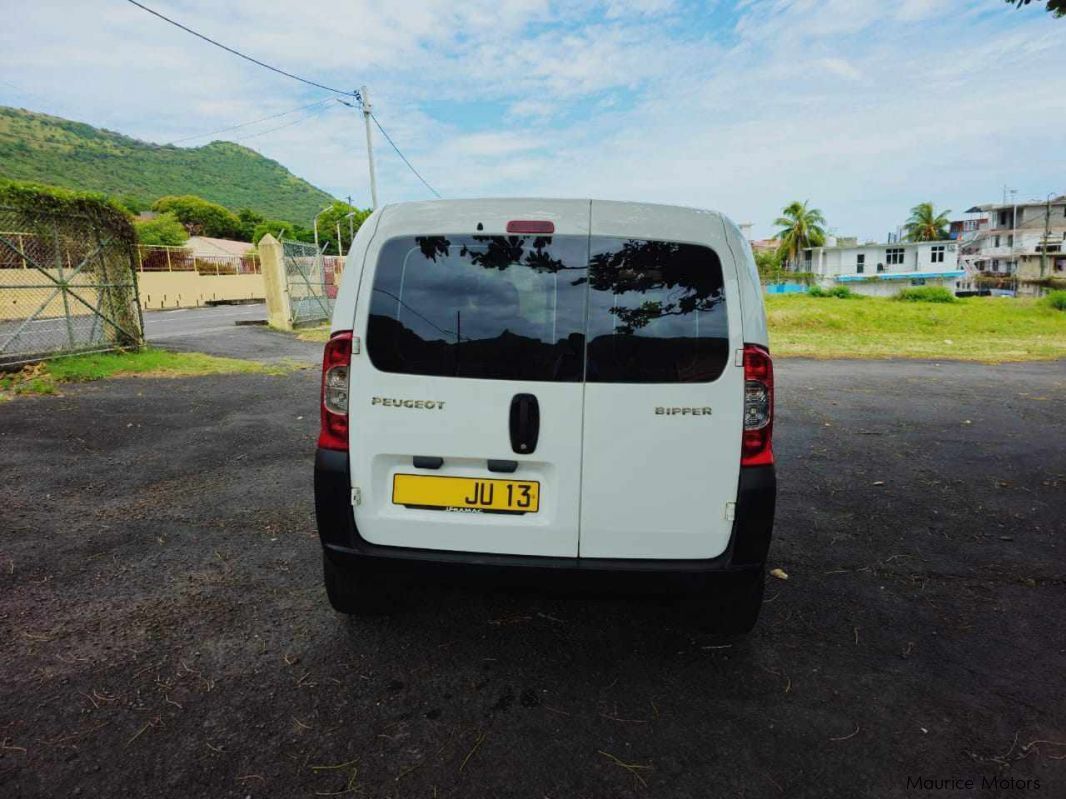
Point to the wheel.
(355, 591)
(733, 609)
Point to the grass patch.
(989, 329)
(926, 294)
(318, 334)
(1056, 300)
(45, 377)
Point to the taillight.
(757, 449)
(336, 361)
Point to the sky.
(862, 107)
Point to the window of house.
(996, 241)
(995, 264)
(1010, 239)
(936, 255)
(894, 255)
(860, 263)
(880, 267)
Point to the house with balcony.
(1022, 248)
(883, 269)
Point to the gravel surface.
(164, 631)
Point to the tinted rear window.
(657, 313)
(520, 308)
(507, 308)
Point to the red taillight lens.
(336, 361)
(757, 448)
(530, 226)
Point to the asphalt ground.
(164, 631)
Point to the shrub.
(200, 217)
(837, 292)
(166, 229)
(1056, 300)
(926, 294)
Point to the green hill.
(59, 152)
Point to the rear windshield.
(549, 308)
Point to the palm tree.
(801, 227)
(926, 224)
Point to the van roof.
(475, 203)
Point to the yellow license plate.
(471, 494)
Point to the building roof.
(205, 246)
(1020, 204)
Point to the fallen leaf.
(780, 574)
(879, 482)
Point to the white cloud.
(865, 107)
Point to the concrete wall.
(157, 290)
(189, 289)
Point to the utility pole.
(1047, 236)
(369, 148)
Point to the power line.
(253, 122)
(403, 157)
(239, 54)
(296, 121)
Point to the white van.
(548, 387)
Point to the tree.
(279, 228)
(200, 217)
(801, 227)
(249, 219)
(1056, 7)
(166, 229)
(328, 220)
(768, 263)
(925, 224)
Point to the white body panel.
(656, 486)
(471, 427)
(617, 480)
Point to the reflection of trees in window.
(498, 252)
(645, 266)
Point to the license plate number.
(469, 494)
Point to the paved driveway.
(163, 630)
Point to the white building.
(1023, 246)
(884, 269)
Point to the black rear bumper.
(746, 553)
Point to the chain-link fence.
(66, 285)
(310, 283)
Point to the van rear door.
(664, 391)
(465, 410)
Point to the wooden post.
(275, 284)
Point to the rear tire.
(356, 592)
(734, 610)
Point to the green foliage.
(1056, 300)
(1056, 7)
(769, 265)
(43, 148)
(330, 218)
(926, 294)
(279, 229)
(249, 219)
(166, 229)
(34, 198)
(925, 224)
(836, 292)
(801, 227)
(200, 217)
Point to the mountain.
(74, 155)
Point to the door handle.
(525, 423)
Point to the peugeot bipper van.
(548, 388)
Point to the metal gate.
(307, 283)
(67, 285)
